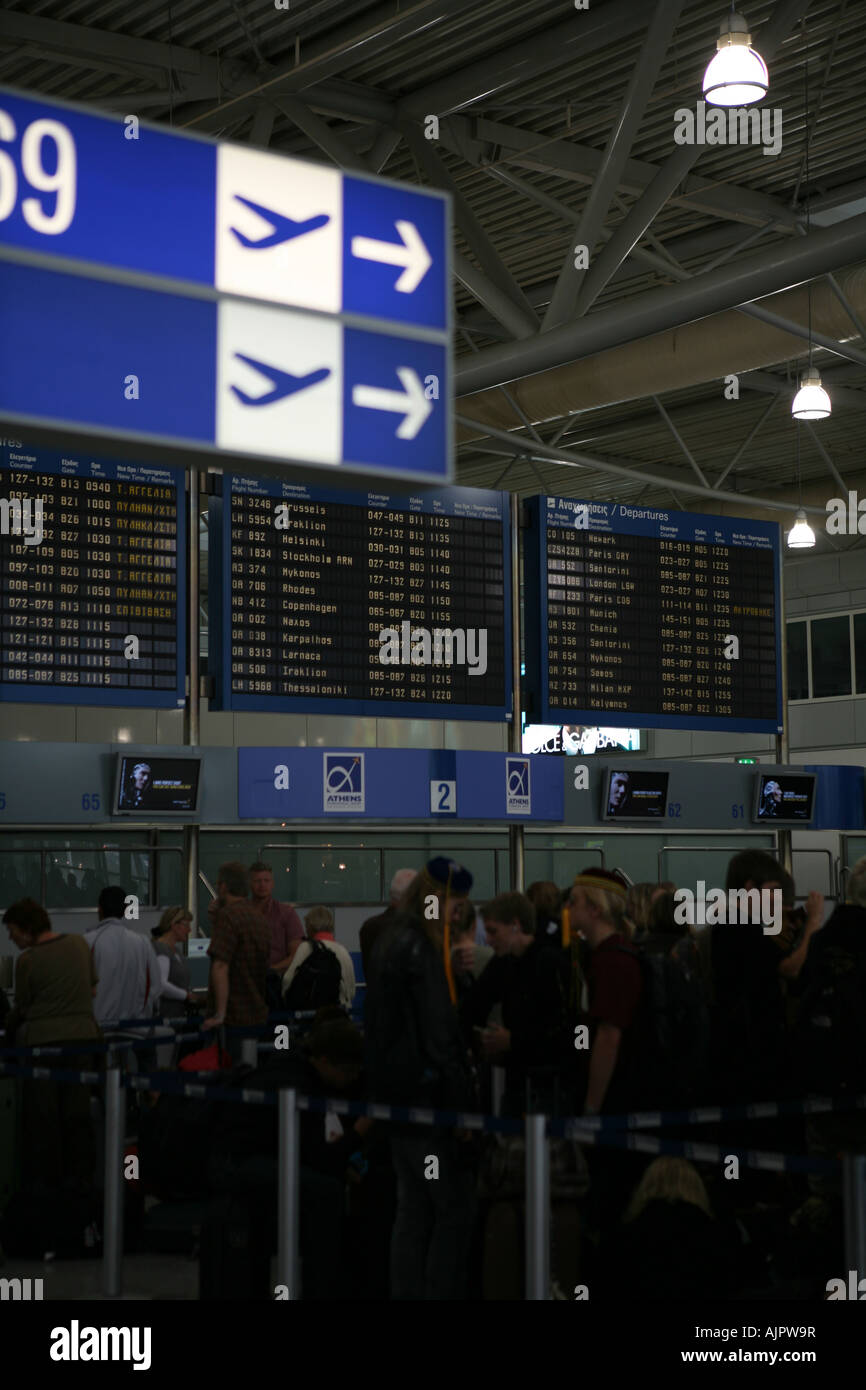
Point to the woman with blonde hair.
(669, 1240)
(172, 931)
(637, 909)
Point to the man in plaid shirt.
(239, 950)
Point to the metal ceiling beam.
(688, 246)
(678, 437)
(746, 442)
(262, 127)
(672, 172)
(635, 225)
(482, 247)
(634, 471)
(527, 149)
(797, 330)
(643, 79)
(580, 163)
(765, 381)
(321, 134)
(759, 311)
(837, 476)
(327, 57)
(764, 273)
(493, 298)
(384, 146)
(78, 43)
(584, 32)
(847, 306)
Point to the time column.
(445, 548)
(721, 561)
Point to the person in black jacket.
(243, 1146)
(669, 1244)
(530, 981)
(416, 1056)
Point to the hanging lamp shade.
(801, 536)
(811, 401)
(737, 75)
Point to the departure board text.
(653, 618)
(363, 602)
(90, 610)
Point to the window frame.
(808, 619)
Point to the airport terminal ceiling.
(554, 127)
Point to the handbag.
(503, 1168)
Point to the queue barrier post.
(250, 1052)
(537, 1209)
(854, 1199)
(288, 1181)
(115, 1116)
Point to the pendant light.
(801, 536)
(811, 401)
(737, 75)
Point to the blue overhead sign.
(244, 379)
(396, 784)
(170, 249)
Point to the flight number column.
(255, 637)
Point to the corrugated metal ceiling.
(572, 98)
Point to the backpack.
(829, 1042)
(670, 1050)
(317, 981)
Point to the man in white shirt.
(125, 963)
(319, 923)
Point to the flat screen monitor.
(154, 786)
(634, 795)
(785, 798)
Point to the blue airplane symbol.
(285, 228)
(284, 383)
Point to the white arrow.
(410, 402)
(412, 255)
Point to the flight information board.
(92, 580)
(631, 614)
(360, 602)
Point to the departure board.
(92, 591)
(651, 618)
(360, 602)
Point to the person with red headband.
(416, 1057)
(596, 909)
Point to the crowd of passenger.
(596, 1000)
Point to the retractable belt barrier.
(118, 1024)
(613, 1130)
(98, 1045)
